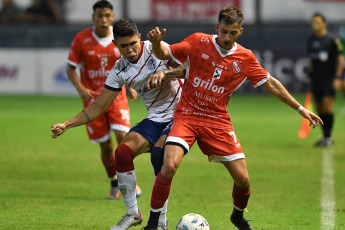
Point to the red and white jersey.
(213, 74)
(96, 57)
(160, 103)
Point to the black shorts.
(320, 91)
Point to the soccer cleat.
(138, 191)
(163, 226)
(241, 224)
(324, 142)
(114, 193)
(127, 221)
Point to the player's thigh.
(220, 144)
(137, 143)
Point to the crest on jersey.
(237, 67)
(217, 72)
(104, 61)
(151, 64)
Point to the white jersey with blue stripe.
(160, 103)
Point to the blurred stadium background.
(33, 54)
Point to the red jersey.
(213, 74)
(96, 57)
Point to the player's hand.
(133, 94)
(87, 94)
(337, 84)
(314, 120)
(155, 80)
(156, 35)
(58, 129)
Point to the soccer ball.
(192, 221)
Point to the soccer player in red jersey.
(94, 52)
(216, 67)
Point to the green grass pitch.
(61, 183)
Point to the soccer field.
(60, 183)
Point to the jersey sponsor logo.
(217, 73)
(205, 56)
(151, 64)
(237, 67)
(98, 73)
(208, 85)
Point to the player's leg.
(99, 132)
(173, 155)
(222, 145)
(240, 192)
(108, 160)
(181, 137)
(133, 145)
(324, 104)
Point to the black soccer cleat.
(241, 223)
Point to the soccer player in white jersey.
(133, 69)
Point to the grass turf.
(61, 183)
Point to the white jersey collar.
(221, 51)
(103, 41)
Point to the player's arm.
(90, 113)
(161, 51)
(85, 93)
(278, 90)
(156, 80)
(339, 71)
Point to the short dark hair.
(318, 14)
(124, 27)
(102, 4)
(230, 15)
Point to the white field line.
(327, 191)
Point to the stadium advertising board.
(18, 71)
(189, 9)
(32, 71)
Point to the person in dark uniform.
(326, 67)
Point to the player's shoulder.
(243, 50)
(85, 33)
(200, 36)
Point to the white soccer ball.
(192, 221)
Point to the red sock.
(160, 192)
(109, 165)
(240, 196)
(124, 156)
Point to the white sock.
(127, 183)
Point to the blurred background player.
(133, 69)
(216, 67)
(326, 68)
(93, 50)
(10, 12)
(43, 11)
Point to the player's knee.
(242, 181)
(124, 157)
(157, 156)
(169, 169)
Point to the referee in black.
(325, 71)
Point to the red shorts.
(218, 144)
(116, 117)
